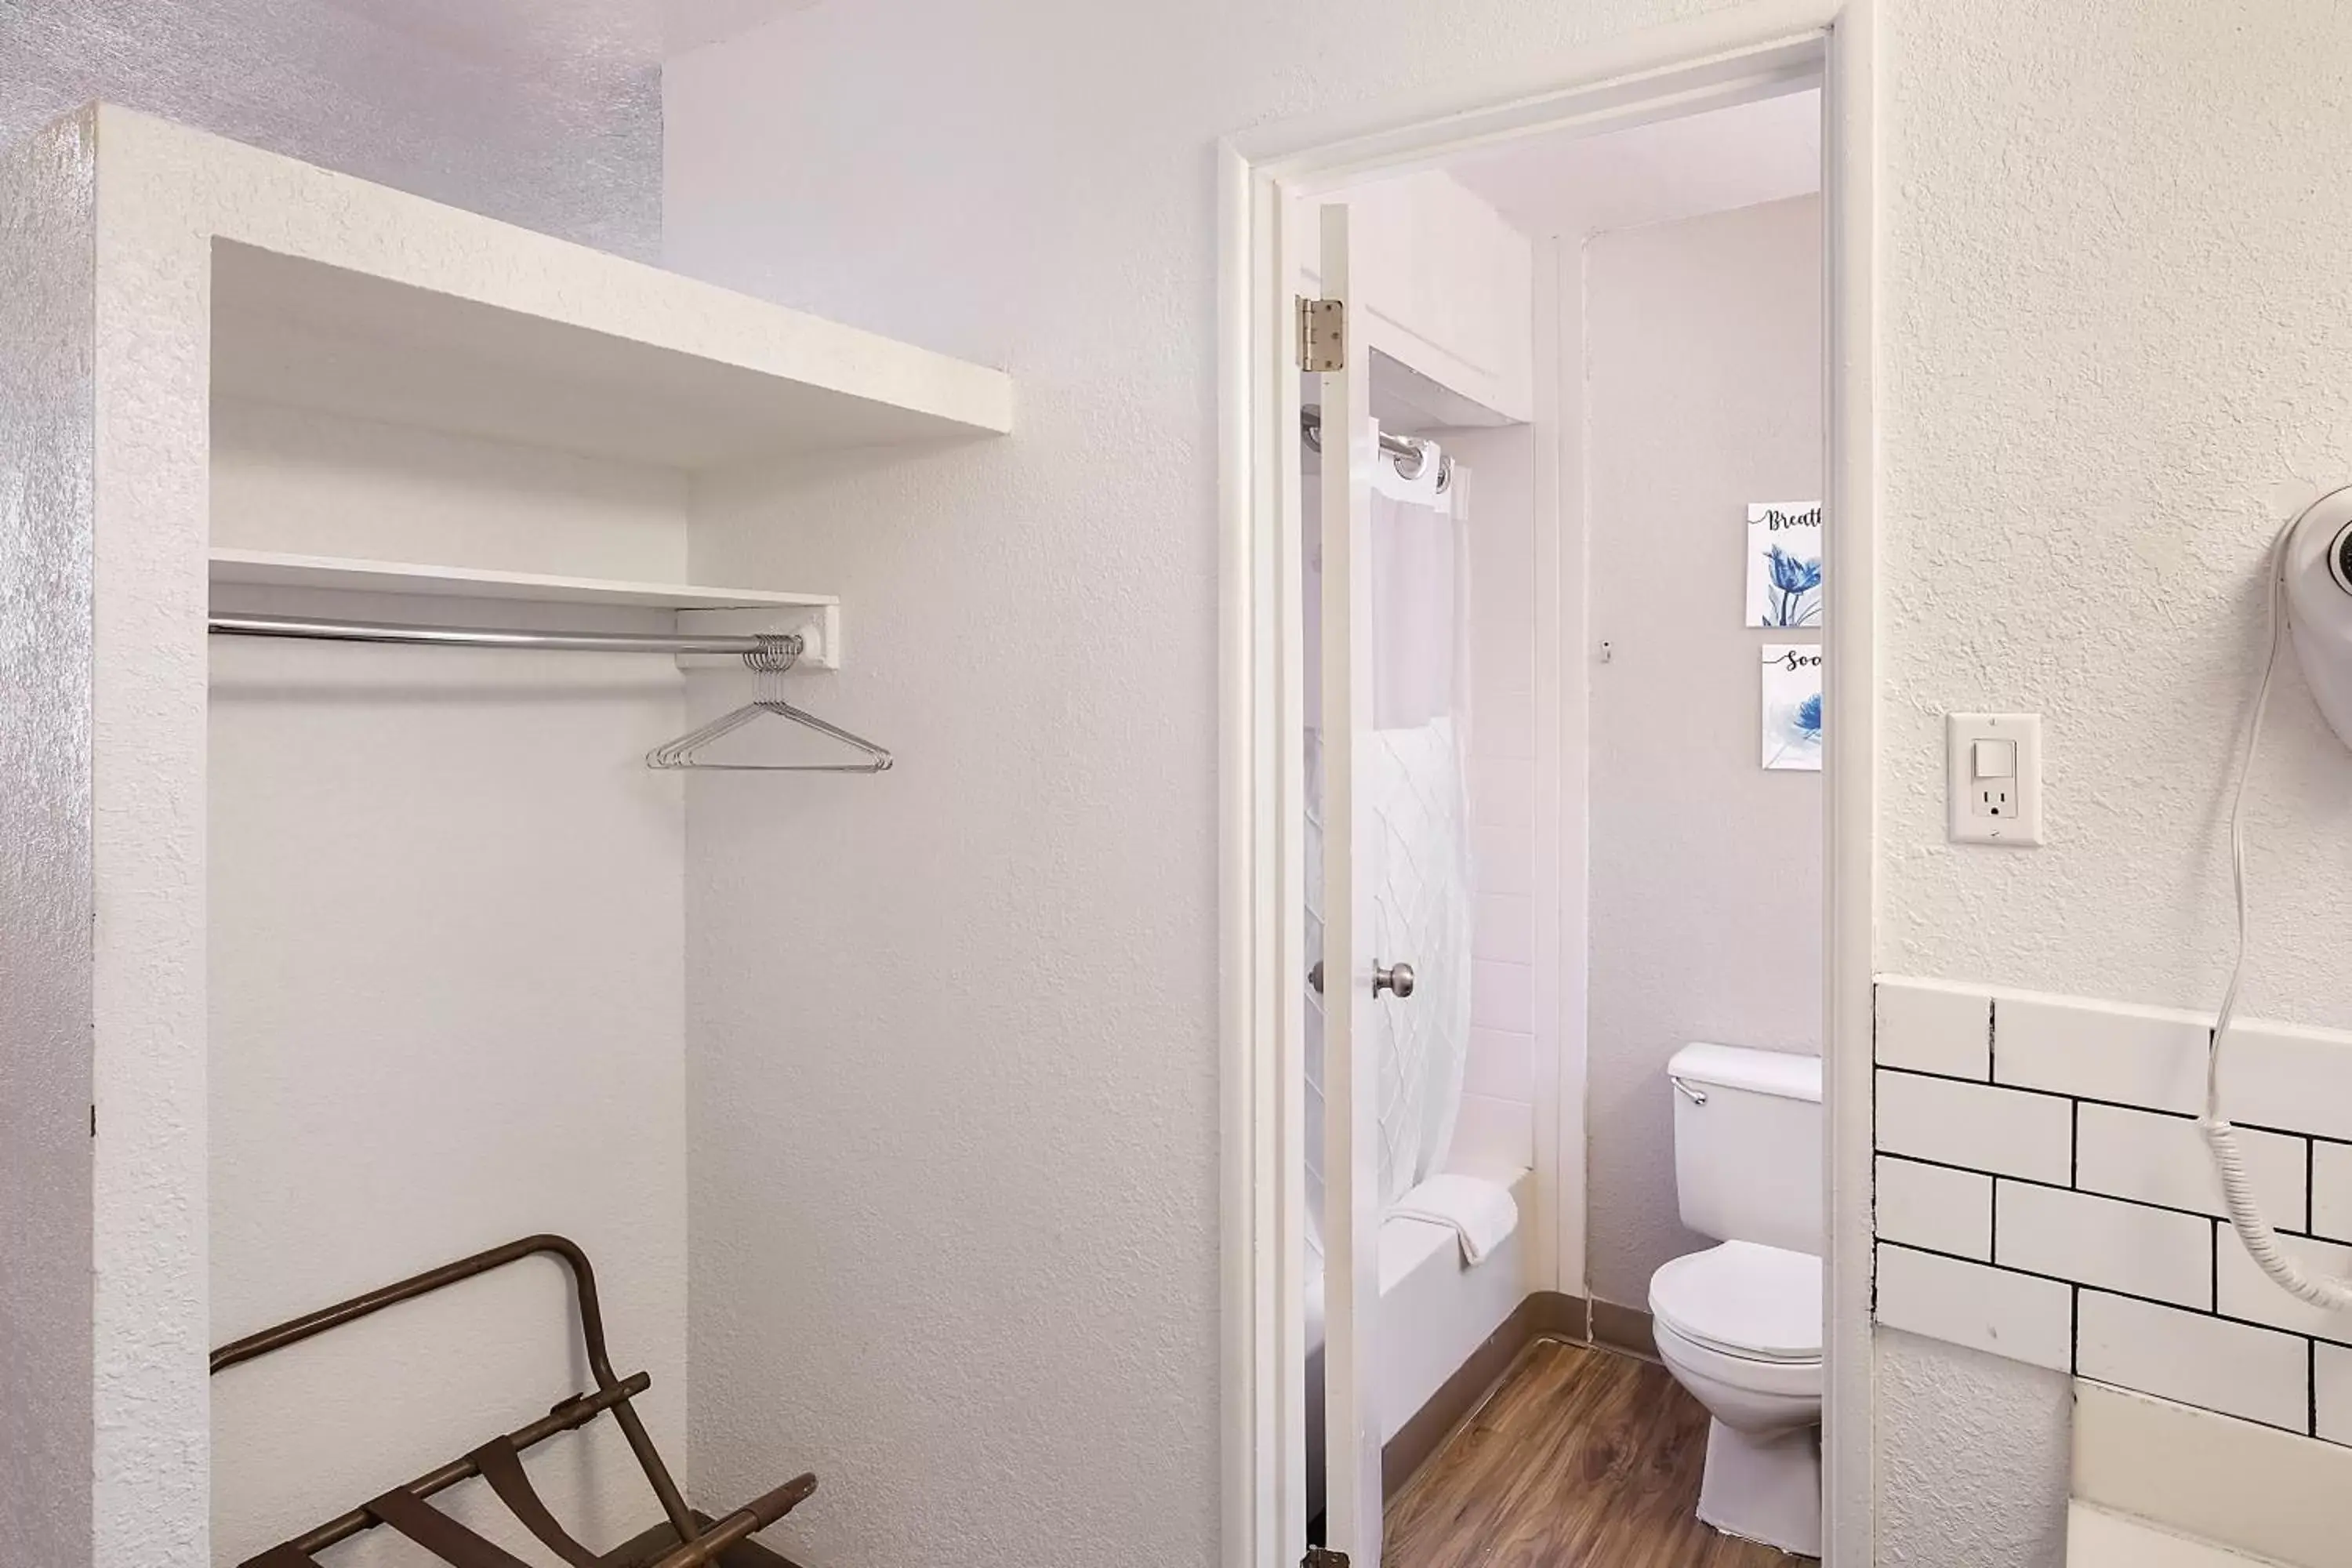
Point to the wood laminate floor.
(1583, 1459)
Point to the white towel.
(1481, 1213)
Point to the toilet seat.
(1744, 1303)
(1720, 1381)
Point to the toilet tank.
(1747, 1144)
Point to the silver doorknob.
(1396, 977)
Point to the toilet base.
(1765, 1486)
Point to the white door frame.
(1728, 57)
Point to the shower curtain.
(1416, 787)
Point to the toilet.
(1739, 1324)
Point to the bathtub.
(1434, 1313)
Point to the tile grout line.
(1872, 1291)
(2074, 1146)
(2074, 1331)
(2082, 1191)
(2192, 1312)
(2110, 1104)
(2075, 1289)
(2215, 1240)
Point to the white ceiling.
(545, 36)
(1726, 158)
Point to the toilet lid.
(1761, 1304)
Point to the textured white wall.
(2088, 421)
(1702, 383)
(2114, 327)
(2087, 429)
(47, 892)
(149, 1460)
(2111, 327)
(554, 124)
(1972, 1457)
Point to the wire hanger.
(774, 656)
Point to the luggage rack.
(684, 1540)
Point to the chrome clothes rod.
(477, 636)
(769, 654)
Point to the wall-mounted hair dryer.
(2315, 568)
(2310, 593)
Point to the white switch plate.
(1993, 810)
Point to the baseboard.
(1547, 1314)
(1625, 1329)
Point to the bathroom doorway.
(1522, 769)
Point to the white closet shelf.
(272, 569)
(609, 359)
(330, 293)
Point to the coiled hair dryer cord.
(2262, 1241)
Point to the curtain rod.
(475, 636)
(1403, 448)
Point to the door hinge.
(1322, 334)
(1324, 1557)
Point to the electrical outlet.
(1993, 765)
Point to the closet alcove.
(366, 957)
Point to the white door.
(1352, 1203)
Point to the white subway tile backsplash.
(1504, 928)
(2281, 1076)
(2140, 1056)
(2160, 1159)
(2093, 1240)
(2079, 1119)
(2331, 1190)
(2245, 1291)
(1502, 861)
(1500, 1064)
(2204, 1361)
(2331, 1393)
(1990, 1310)
(1502, 996)
(1936, 1207)
(1929, 1026)
(1982, 1127)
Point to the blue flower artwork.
(1784, 564)
(1790, 697)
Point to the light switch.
(1993, 775)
